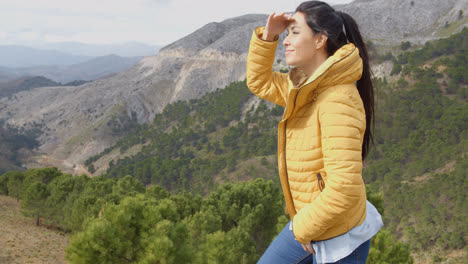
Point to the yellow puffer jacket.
(321, 131)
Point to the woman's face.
(301, 43)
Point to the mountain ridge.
(67, 53)
(15, 56)
(91, 69)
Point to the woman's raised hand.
(276, 24)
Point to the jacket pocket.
(320, 182)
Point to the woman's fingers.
(311, 250)
(276, 23)
(279, 21)
(308, 248)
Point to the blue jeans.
(286, 250)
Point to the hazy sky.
(154, 22)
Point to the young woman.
(324, 134)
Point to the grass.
(453, 27)
(86, 133)
(102, 164)
(23, 242)
(458, 256)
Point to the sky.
(153, 22)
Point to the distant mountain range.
(20, 56)
(28, 83)
(130, 49)
(91, 69)
(67, 53)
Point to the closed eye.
(294, 33)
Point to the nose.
(286, 41)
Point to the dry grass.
(447, 168)
(458, 256)
(102, 164)
(21, 241)
(247, 170)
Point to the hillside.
(24, 84)
(16, 145)
(24, 242)
(420, 136)
(121, 221)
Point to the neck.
(310, 68)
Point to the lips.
(288, 52)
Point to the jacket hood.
(344, 66)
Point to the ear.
(321, 40)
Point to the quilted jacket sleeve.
(261, 80)
(342, 125)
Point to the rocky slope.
(81, 121)
(390, 22)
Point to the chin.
(291, 62)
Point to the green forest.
(191, 144)
(205, 188)
(122, 221)
(13, 141)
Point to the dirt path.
(63, 165)
(21, 241)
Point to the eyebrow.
(293, 26)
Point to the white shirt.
(334, 249)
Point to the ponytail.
(340, 29)
(364, 85)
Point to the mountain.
(390, 22)
(24, 84)
(130, 49)
(88, 70)
(67, 53)
(19, 56)
(27, 83)
(81, 121)
(6, 75)
(16, 146)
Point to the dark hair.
(340, 28)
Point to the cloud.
(113, 21)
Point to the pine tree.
(34, 201)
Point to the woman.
(324, 134)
